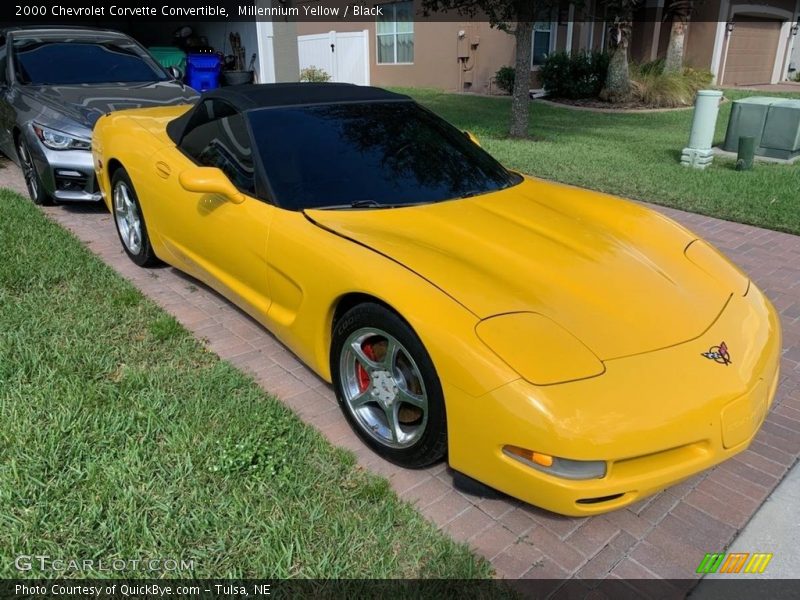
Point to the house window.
(396, 34)
(541, 42)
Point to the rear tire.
(387, 386)
(32, 180)
(129, 221)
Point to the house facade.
(741, 43)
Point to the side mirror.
(472, 138)
(175, 73)
(210, 180)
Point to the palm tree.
(680, 11)
(617, 87)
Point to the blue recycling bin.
(202, 71)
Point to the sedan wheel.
(32, 180)
(129, 220)
(387, 386)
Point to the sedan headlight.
(538, 348)
(57, 140)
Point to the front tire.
(129, 221)
(387, 386)
(32, 180)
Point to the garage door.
(752, 49)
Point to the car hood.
(610, 271)
(86, 103)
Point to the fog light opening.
(599, 499)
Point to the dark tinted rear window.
(42, 62)
(387, 153)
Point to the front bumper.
(64, 174)
(654, 418)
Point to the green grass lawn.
(632, 155)
(122, 438)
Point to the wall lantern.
(729, 26)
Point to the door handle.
(163, 169)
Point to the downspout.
(570, 26)
(657, 29)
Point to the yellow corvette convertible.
(574, 350)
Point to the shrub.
(505, 77)
(661, 90)
(652, 87)
(654, 67)
(698, 78)
(573, 76)
(314, 74)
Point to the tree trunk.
(677, 37)
(520, 103)
(618, 83)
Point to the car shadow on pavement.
(94, 208)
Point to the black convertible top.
(266, 95)
(246, 97)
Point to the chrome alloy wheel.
(127, 217)
(383, 388)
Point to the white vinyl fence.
(343, 55)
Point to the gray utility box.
(773, 122)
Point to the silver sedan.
(54, 84)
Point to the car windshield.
(369, 155)
(50, 62)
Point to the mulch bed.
(597, 103)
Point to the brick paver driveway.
(665, 536)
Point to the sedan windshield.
(369, 155)
(49, 62)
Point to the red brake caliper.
(361, 372)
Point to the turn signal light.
(544, 460)
(557, 466)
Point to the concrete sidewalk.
(774, 528)
(785, 86)
(665, 536)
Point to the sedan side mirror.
(472, 138)
(175, 73)
(210, 180)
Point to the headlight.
(539, 349)
(57, 140)
(710, 260)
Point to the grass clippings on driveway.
(122, 438)
(632, 155)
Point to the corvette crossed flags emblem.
(719, 354)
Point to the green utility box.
(167, 56)
(773, 122)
